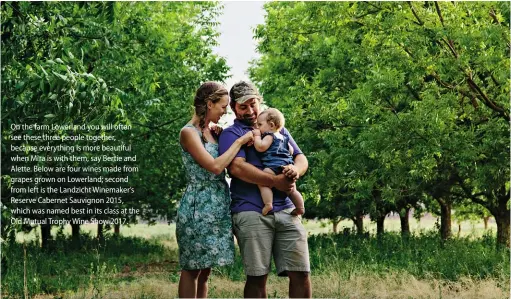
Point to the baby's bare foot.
(267, 208)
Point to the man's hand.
(283, 183)
(291, 172)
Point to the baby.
(276, 152)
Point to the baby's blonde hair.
(275, 116)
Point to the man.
(279, 234)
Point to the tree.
(404, 98)
(137, 64)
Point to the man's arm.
(301, 163)
(251, 174)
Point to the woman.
(203, 226)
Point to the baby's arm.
(261, 144)
(291, 149)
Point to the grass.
(142, 263)
(422, 255)
(363, 285)
(93, 263)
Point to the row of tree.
(398, 105)
(98, 63)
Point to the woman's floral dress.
(203, 226)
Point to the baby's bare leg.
(267, 195)
(297, 200)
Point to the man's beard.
(248, 120)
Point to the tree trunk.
(75, 232)
(359, 223)
(405, 222)
(45, 235)
(380, 225)
(117, 229)
(459, 229)
(445, 219)
(100, 231)
(502, 220)
(486, 219)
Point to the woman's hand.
(247, 138)
(256, 132)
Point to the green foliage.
(468, 211)
(393, 100)
(102, 63)
(421, 255)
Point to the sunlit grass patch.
(361, 285)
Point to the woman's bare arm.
(191, 142)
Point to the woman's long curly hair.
(209, 91)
